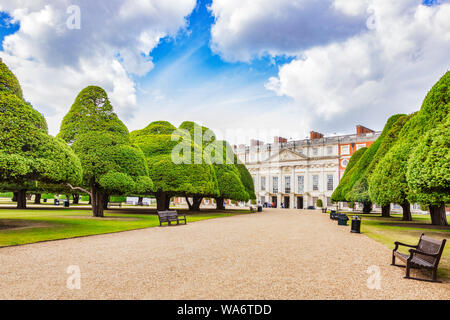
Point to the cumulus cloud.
(112, 46)
(386, 69)
(247, 28)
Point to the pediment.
(287, 155)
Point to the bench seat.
(170, 216)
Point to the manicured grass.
(34, 225)
(389, 230)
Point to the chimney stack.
(254, 143)
(315, 135)
(279, 140)
(361, 130)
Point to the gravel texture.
(277, 254)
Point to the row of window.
(300, 183)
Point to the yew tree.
(160, 141)
(28, 154)
(112, 165)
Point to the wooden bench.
(252, 209)
(115, 204)
(170, 216)
(425, 255)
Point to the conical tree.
(27, 152)
(392, 169)
(381, 184)
(357, 184)
(111, 163)
(173, 163)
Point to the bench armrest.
(414, 251)
(397, 244)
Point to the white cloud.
(367, 77)
(246, 28)
(53, 63)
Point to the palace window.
(315, 182)
(287, 184)
(275, 184)
(315, 151)
(345, 150)
(330, 182)
(329, 149)
(329, 203)
(263, 183)
(301, 184)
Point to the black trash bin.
(342, 219)
(66, 203)
(259, 208)
(56, 202)
(45, 200)
(356, 224)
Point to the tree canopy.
(158, 141)
(111, 163)
(27, 152)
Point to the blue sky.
(244, 66)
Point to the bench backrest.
(162, 214)
(432, 246)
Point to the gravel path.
(279, 254)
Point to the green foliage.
(9, 82)
(110, 162)
(6, 194)
(428, 168)
(27, 152)
(342, 188)
(115, 199)
(390, 175)
(91, 111)
(382, 181)
(357, 184)
(183, 179)
(319, 203)
(47, 196)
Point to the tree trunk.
(406, 211)
(438, 216)
(76, 198)
(37, 198)
(22, 199)
(196, 202)
(97, 202)
(141, 201)
(14, 198)
(367, 207)
(219, 204)
(189, 204)
(105, 202)
(161, 201)
(386, 211)
(90, 200)
(167, 202)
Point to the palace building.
(295, 174)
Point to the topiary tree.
(428, 171)
(341, 190)
(227, 173)
(27, 152)
(111, 163)
(375, 182)
(359, 191)
(189, 179)
(390, 173)
(319, 203)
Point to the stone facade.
(296, 174)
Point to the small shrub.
(319, 203)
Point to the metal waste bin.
(259, 208)
(356, 224)
(66, 203)
(45, 200)
(342, 219)
(56, 202)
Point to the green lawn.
(34, 225)
(388, 230)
